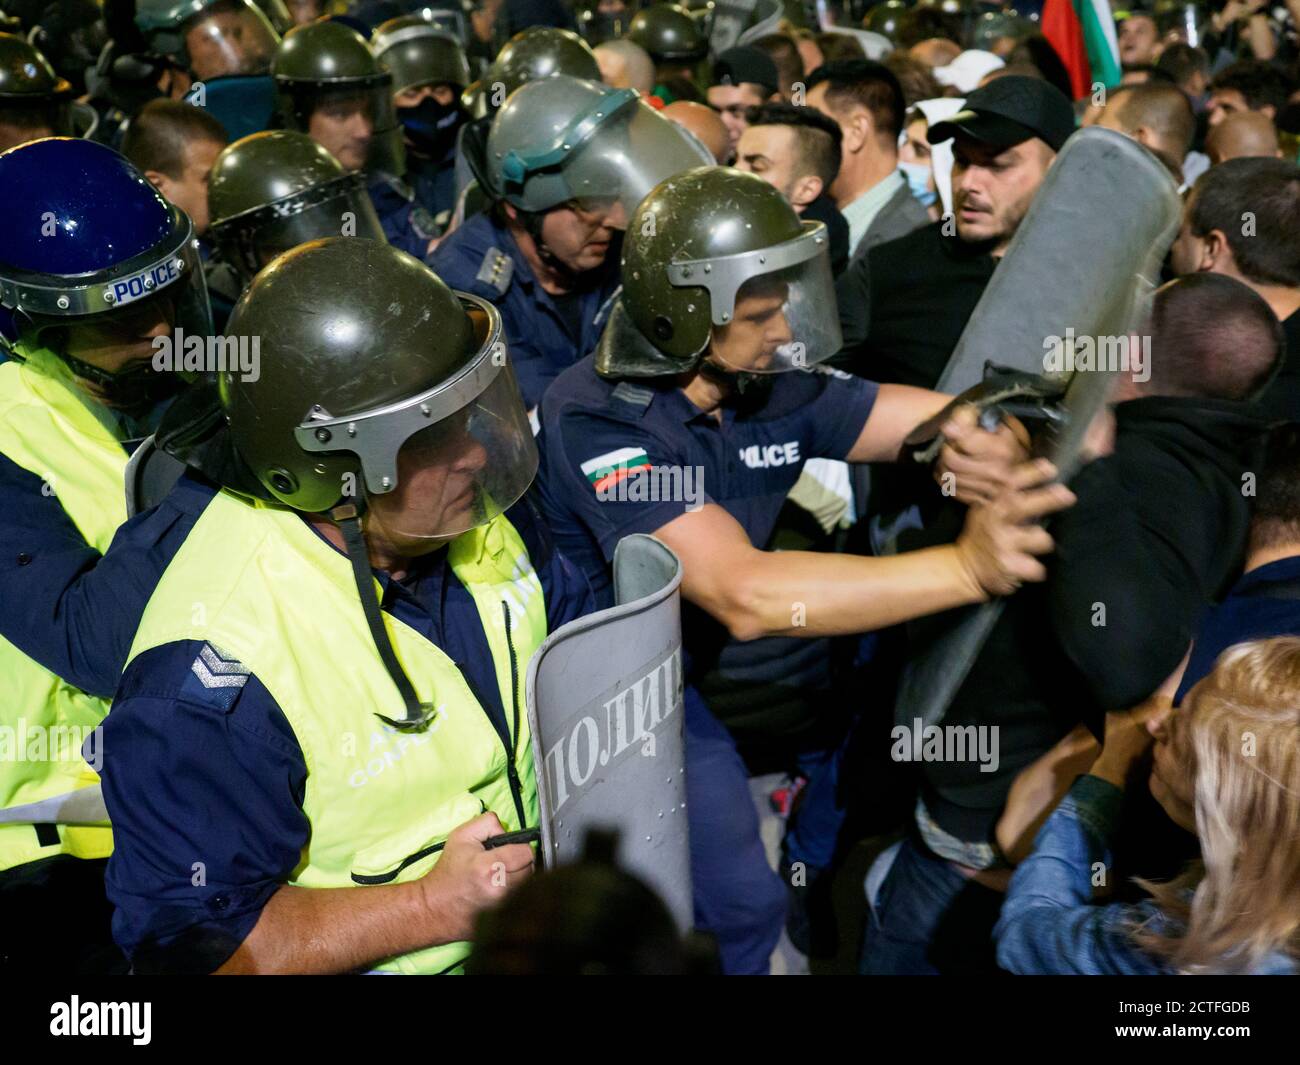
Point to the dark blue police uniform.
(224, 757)
(546, 333)
(407, 224)
(747, 464)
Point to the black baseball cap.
(1008, 111)
(745, 63)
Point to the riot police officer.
(34, 100)
(270, 192)
(430, 72)
(568, 161)
(95, 269)
(372, 591)
(675, 42)
(331, 87)
(696, 382)
(530, 55)
(224, 46)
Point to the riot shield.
(606, 713)
(1082, 265)
(150, 475)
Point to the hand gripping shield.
(1083, 264)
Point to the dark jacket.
(1158, 533)
(903, 305)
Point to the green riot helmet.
(332, 87)
(716, 259)
(210, 38)
(885, 19)
(277, 14)
(271, 191)
(373, 372)
(537, 53)
(474, 100)
(32, 96)
(604, 20)
(383, 398)
(669, 34)
(566, 139)
(417, 53)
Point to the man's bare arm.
(803, 593)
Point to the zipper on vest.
(512, 772)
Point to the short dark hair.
(1180, 61)
(1269, 189)
(1212, 337)
(918, 24)
(1260, 84)
(1152, 71)
(867, 83)
(817, 136)
(1160, 106)
(915, 78)
(784, 52)
(1276, 517)
(157, 136)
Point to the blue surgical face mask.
(918, 181)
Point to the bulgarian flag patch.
(607, 470)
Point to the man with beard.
(95, 269)
(685, 426)
(904, 305)
(568, 159)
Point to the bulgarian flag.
(1083, 34)
(605, 471)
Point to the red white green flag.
(1083, 34)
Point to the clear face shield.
(354, 120)
(625, 158)
(337, 208)
(445, 461)
(772, 310)
(125, 341)
(231, 37)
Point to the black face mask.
(747, 392)
(431, 127)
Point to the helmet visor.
(340, 208)
(448, 460)
(772, 310)
(625, 158)
(231, 37)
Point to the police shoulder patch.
(605, 471)
(496, 270)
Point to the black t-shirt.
(904, 305)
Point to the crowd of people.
(342, 344)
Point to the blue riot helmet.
(95, 266)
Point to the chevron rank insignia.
(215, 670)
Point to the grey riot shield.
(606, 713)
(150, 475)
(1083, 265)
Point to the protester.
(797, 150)
(1235, 911)
(743, 77)
(866, 101)
(174, 145)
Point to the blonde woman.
(1227, 767)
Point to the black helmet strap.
(418, 715)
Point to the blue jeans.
(928, 919)
(738, 897)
